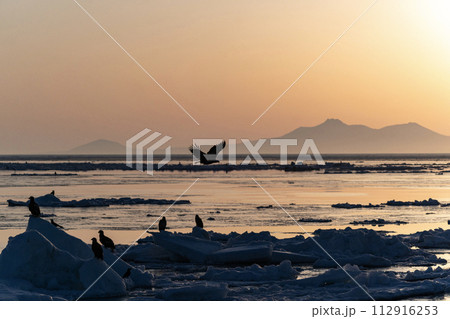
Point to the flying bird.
(55, 224)
(162, 224)
(106, 241)
(211, 156)
(97, 249)
(198, 221)
(34, 207)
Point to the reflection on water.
(234, 195)
(228, 202)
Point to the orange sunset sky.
(64, 82)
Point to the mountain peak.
(333, 122)
(99, 147)
(335, 136)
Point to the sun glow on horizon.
(438, 12)
(224, 61)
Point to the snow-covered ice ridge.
(50, 200)
(423, 203)
(45, 263)
(330, 167)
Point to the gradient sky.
(63, 82)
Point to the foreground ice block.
(284, 271)
(278, 256)
(32, 257)
(202, 291)
(191, 248)
(60, 238)
(242, 255)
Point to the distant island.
(98, 147)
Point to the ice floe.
(45, 263)
(50, 200)
(379, 222)
(255, 272)
(62, 265)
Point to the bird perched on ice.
(97, 249)
(55, 224)
(211, 156)
(162, 224)
(34, 207)
(198, 221)
(106, 241)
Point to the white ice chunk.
(192, 248)
(252, 273)
(242, 255)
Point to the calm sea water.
(235, 195)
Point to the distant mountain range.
(99, 147)
(335, 137)
(331, 137)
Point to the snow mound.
(252, 273)
(360, 241)
(200, 233)
(76, 247)
(361, 247)
(191, 248)
(203, 291)
(32, 257)
(242, 254)
(110, 284)
(437, 238)
(138, 277)
(247, 238)
(335, 284)
(49, 258)
(418, 275)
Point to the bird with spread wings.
(211, 156)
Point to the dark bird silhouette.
(211, 156)
(127, 273)
(162, 224)
(52, 193)
(34, 207)
(198, 221)
(106, 241)
(55, 224)
(97, 249)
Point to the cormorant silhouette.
(52, 193)
(34, 207)
(55, 224)
(127, 273)
(162, 224)
(106, 241)
(211, 156)
(97, 249)
(198, 221)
